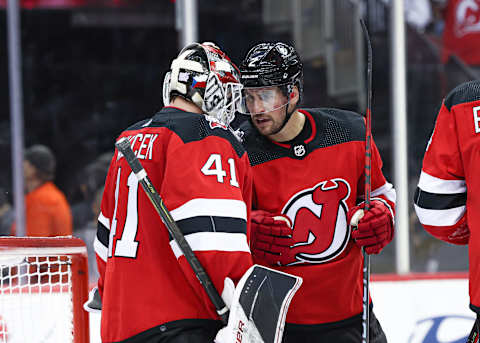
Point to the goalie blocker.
(259, 306)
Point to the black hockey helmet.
(205, 75)
(272, 64)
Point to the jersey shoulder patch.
(464, 93)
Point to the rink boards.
(412, 309)
(423, 308)
(419, 308)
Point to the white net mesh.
(35, 299)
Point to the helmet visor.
(257, 100)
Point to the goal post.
(43, 285)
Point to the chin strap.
(288, 115)
(287, 118)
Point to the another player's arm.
(440, 197)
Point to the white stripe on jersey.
(100, 249)
(208, 241)
(432, 184)
(439, 217)
(388, 206)
(104, 221)
(387, 191)
(211, 207)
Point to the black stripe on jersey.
(189, 127)
(311, 329)
(432, 201)
(103, 234)
(333, 126)
(212, 224)
(466, 92)
(184, 330)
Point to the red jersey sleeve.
(441, 193)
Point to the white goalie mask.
(204, 74)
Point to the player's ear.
(294, 96)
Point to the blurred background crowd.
(93, 67)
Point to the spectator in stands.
(90, 179)
(461, 39)
(46, 208)
(6, 214)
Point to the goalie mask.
(205, 75)
(269, 72)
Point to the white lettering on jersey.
(142, 146)
(476, 119)
(144, 151)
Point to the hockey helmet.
(267, 69)
(205, 75)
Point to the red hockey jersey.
(447, 191)
(203, 175)
(314, 181)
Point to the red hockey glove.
(373, 229)
(271, 236)
(457, 234)
(461, 235)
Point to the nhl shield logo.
(299, 150)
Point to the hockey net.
(43, 285)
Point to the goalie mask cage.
(43, 285)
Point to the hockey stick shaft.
(474, 334)
(368, 187)
(123, 145)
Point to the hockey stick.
(368, 187)
(474, 334)
(123, 145)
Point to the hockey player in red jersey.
(446, 199)
(308, 181)
(149, 292)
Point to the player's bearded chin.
(269, 124)
(279, 125)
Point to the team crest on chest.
(319, 222)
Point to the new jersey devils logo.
(215, 123)
(319, 222)
(467, 17)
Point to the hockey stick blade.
(123, 146)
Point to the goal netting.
(43, 284)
